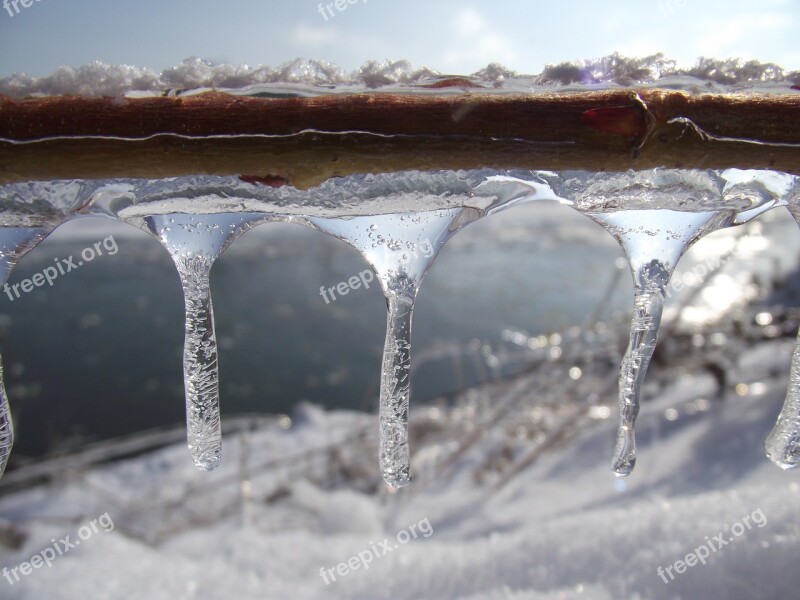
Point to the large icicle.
(400, 248)
(15, 242)
(654, 241)
(194, 242)
(782, 445)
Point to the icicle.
(194, 242)
(782, 445)
(654, 241)
(400, 248)
(15, 242)
(395, 392)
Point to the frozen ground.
(301, 494)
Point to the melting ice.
(15, 242)
(653, 241)
(399, 223)
(194, 242)
(400, 248)
(28, 214)
(783, 443)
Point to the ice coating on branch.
(686, 190)
(486, 190)
(43, 203)
(194, 242)
(310, 77)
(354, 195)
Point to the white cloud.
(313, 37)
(611, 24)
(730, 36)
(474, 43)
(468, 22)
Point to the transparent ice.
(782, 445)
(15, 242)
(29, 212)
(399, 222)
(194, 242)
(400, 248)
(654, 241)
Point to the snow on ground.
(562, 528)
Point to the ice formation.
(399, 222)
(783, 443)
(654, 241)
(15, 242)
(194, 242)
(28, 214)
(309, 77)
(400, 248)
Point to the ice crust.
(301, 77)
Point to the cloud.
(474, 43)
(313, 37)
(468, 22)
(759, 36)
(731, 34)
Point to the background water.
(98, 354)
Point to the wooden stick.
(304, 141)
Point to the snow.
(308, 77)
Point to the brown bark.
(307, 140)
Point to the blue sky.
(451, 36)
